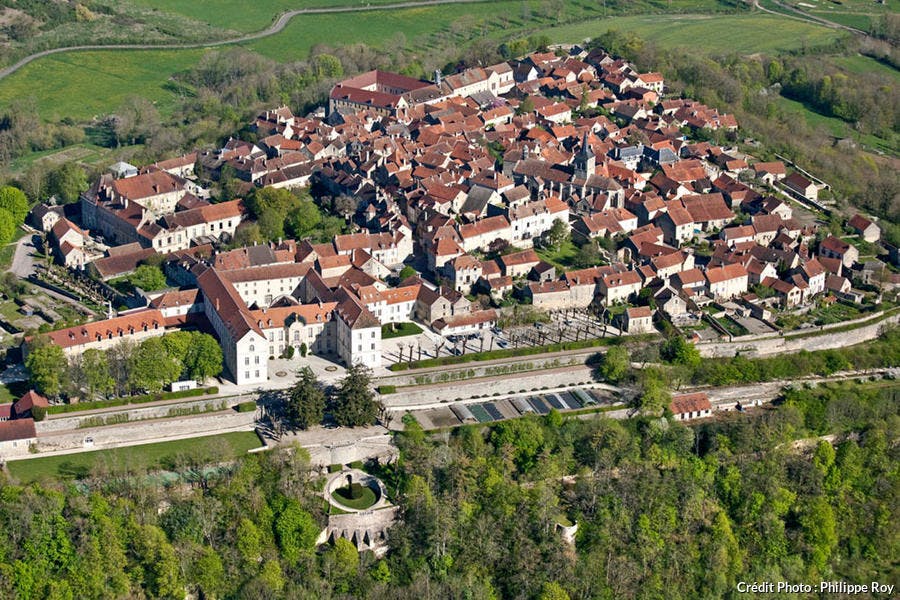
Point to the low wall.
(813, 340)
(131, 433)
(429, 394)
(475, 369)
(135, 412)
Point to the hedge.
(387, 389)
(244, 407)
(68, 408)
(506, 353)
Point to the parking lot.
(489, 411)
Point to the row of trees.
(125, 368)
(353, 404)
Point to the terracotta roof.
(688, 403)
(17, 429)
(639, 312)
(149, 318)
(28, 401)
(176, 298)
(284, 315)
(149, 184)
(725, 273)
(227, 303)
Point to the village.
(556, 198)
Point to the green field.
(82, 85)
(234, 14)
(396, 330)
(860, 65)
(837, 127)
(562, 258)
(164, 455)
(745, 34)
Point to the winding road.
(276, 27)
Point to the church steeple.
(585, 162)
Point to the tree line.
(125, 369)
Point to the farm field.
(234, 15)
(81, 85)
(746, 34)
(163, 455)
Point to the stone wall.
(98, 438)
(135, 412)
(810, 341)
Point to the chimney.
(217, 305)
(437, 77)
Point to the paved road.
(23, 261)
(280, 23)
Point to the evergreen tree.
(306, 400)
(355, 404)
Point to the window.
(246, 361)
(246, 374)
(256, 360)
(373, 346)
(252, 348)
(360, 347)
(257, 373)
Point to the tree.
(588, 255)
(15, 201)
(553, 591)
(306, 400)
(679, 351)
(654, 395)
(615, 365)
(249, 541)
(304, 219)
(68, 181)
(204, 357)
(46, 364)
(526, 106)
(355, 404)
(345, 205)
(151, 368)
(97, 377)
(407, 271)
(209, 574)
(178, 344)
(161, 571)
(556, 235)
(295, 531)
(343, 558)
(148, 278)
(7, 226)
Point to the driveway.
(23, 261)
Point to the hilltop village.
(458, 194)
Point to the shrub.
(245, 407)
(38, 413)
(335, 468)
(387, 389)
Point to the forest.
(663, 510)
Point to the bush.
(67, 408)
(335, 468)
(387, 389)
(245, 407)
(38, 413)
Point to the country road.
(804, 16)
(280, 23)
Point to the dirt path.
(280, 23)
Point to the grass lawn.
(835, 313)
(367, 499)
(164, 455)
(9, 250)
(860, 64)
(561, 258)
(744, 34)
(402, 329)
